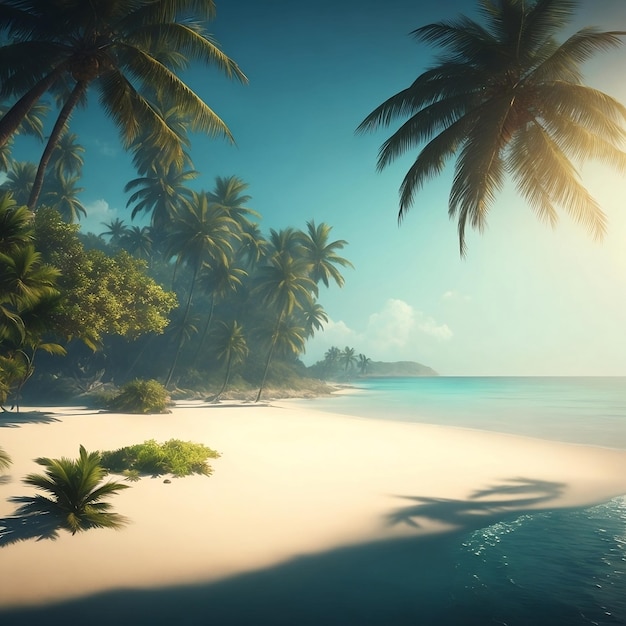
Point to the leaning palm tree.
(75, 493)
(116, 47)
(506, 98)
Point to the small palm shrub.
(141, 396)
(180, 458)
(75, 493)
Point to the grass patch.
(180, 458)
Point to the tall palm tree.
(322, 254)
(286, 241)
(116, 47)
(506, 98)
(161, 193)
(313, 316)
(75, 493)
(218, 280)
(282, 285)
(20, 181)
(201, 234)
(63, 197)
(348, 358)
(232, 348)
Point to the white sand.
(289, 482)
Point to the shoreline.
(290, 482)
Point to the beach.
(290, 483)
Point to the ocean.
(557, 567)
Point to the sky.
(527, 300)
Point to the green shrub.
(141, 396)
(180, 458)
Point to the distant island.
(396, 369)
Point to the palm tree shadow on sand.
(402, 581)
(33, 519)
(14, 419)
(512, 497)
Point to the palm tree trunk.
(206, 329)
(57, 131)
(221, 391)
(16, 114)
(269, 356)
(182, 329)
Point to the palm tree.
(138, 241)
(20, 181)
(322, 254)
(348, 358)
(161, 192)
(75, 493)
(228, 194)
(287, 241)
(67, 156)
(313, 316)
(282, 285)
(218, 280)
(16, 225)
(506, 98)
(116, 47)
(200, 234)
(62, 197)
(232, 348)
(116, 231)
(364, 363)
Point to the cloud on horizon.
(397, 332)
(98, 211)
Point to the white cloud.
(97, 212)
(397, 332)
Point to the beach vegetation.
(141, 396)
(75, 493)
(506, 98)
(130, 52)
(180, 458)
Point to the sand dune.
(290, 482)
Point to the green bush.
(180, 458)
(141, 396)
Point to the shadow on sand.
(31, 520)
(416, 581)
(14, 419)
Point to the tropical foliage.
(506, 98)
(141, 396)
(180, 458)
(75, 493)
(130, 51)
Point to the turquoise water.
(559, 567)
(578, 410)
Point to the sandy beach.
(290, 482)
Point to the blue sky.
(528, 300)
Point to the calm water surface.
(559, 567)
